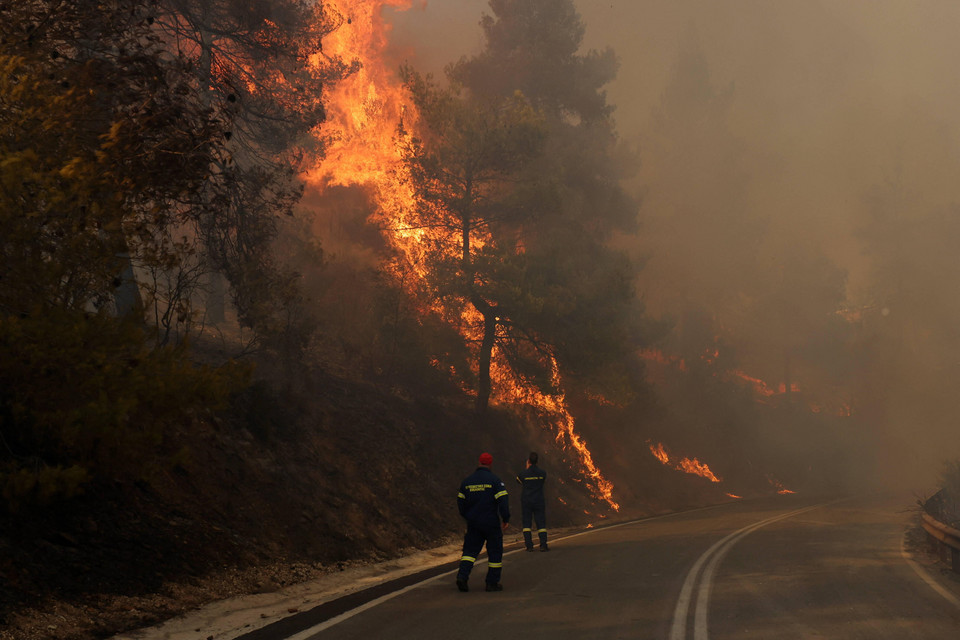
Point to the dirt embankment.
(286, 488)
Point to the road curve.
(783, 567)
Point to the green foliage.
(100, 151)
(466, 168)
(85, 397)
(520, 163)
(533, 46)
(57, 209)
(165, 136)
(115, 158)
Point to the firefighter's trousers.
(473, 542)
(528, 514)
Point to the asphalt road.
(778, 568)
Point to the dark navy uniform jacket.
(532, 480)
(482, 499)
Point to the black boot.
(528, 539)
(542, 535)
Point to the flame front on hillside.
(687, 465)
(364, 114)
(782, 490)
(554, 409)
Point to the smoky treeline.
(800, 172)
(720, 228)
(799, 164)
(797, 179)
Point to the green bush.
(86, 397)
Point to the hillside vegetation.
(218, 378)
(274, 489)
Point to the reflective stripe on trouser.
(473, 542)
(529, 513)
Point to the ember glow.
(782, 490)
(687, 465)
(364, 114)
(759, 386)
(655, 355)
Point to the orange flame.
(735, 497)
(554, 407)
(364, 109)
(660, 453)
(782, 490)
(360, 138)
(363, 113)
(687, 465)
(759, 386)
(697, 468)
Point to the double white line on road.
(708, 562)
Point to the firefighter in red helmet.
(482, 501)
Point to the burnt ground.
(281, 490)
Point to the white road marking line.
(307, 634)
(346, 615)
(711, 558)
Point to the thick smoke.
(799, 183)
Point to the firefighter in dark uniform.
(482, 501)
(533, 506)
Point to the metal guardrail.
(944, 540)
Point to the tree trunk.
(216, 289)
(488, 311)
(126, 293)
(484, 358)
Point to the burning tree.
(508, 217)
(466, 170)
(555, 301)
(481, 225)
(527, 210)
(578, 293)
